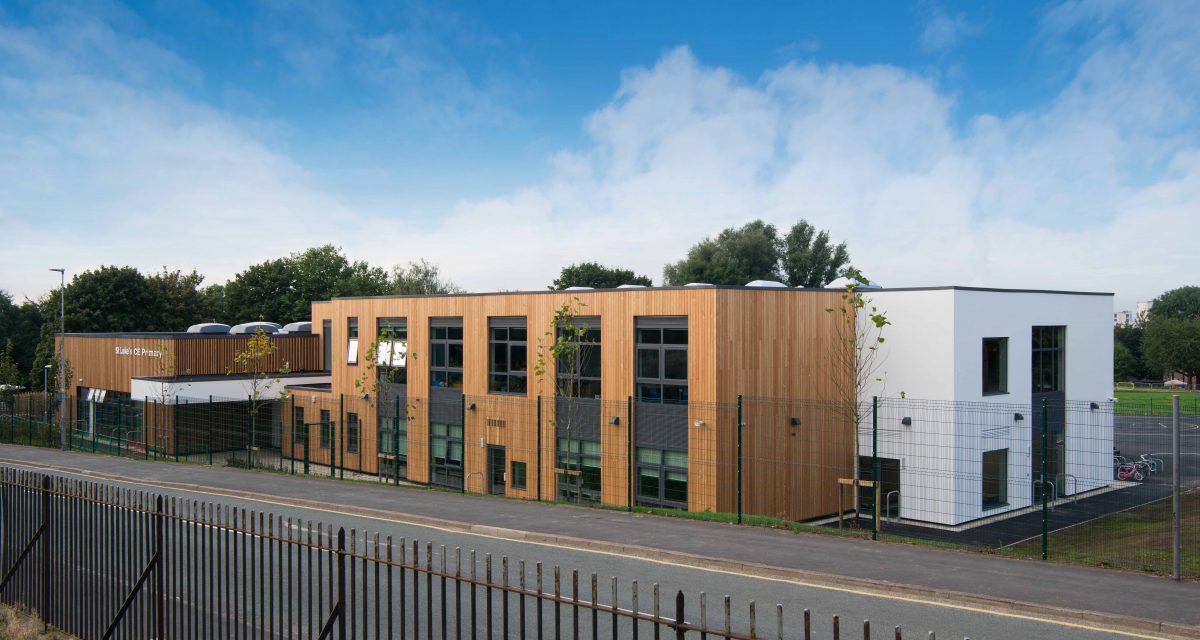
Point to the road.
(916, 614)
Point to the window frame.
(502, 382)
(1002, 375)
(1048, 351)
(520, 480)
(388, 371)
(299, 429)
(449, 328)
(1001, 481)
(352, 340)
(670, 390)
(353, 432)
(567, 382)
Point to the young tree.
(809, 259)
(253, 362)
(561, 344)
(378, 377)
(855, 358)
(597, 276)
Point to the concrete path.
(971, 579)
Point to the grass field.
(1146, 402)
(1139, 539)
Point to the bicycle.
(1130, 471)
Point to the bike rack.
(888, 503)
(1074, 483)
(483, 488)
(1053, 491)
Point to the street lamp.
(46, 391)
(62, 364)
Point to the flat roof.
(231, 376)
(723, 287)
(176, 335)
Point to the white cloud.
(944, 30)
(1096, 189)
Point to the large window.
(446, 353)
(662, 360)
(446, 454)
(392, 351)
(352, 432)
(578, 470)
(995, 478)
(1049, 346)
(327, 338)
(352, 340)
(662, 478)
(508, 359)
(995, 366)
(578, 370)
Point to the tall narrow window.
(352, 432)
(352, 340)
(1049, 345)
(391, 357)
(446, 454)
(326, 428)
(446, 353)
(662, 360)
(995, 478)
(508, 359)
(578, 370)
(299, 429)
(995, 366)
(327, 338)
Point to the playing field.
(1147, 402)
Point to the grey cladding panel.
(663, 426)
(584, 418)
(445, 405)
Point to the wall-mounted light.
(697, 423)
(795, 422)
(906, 421)
(1018, 417)
(470, 406)
(614, 421)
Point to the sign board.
(137, 352)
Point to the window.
(662, 360)
(299, 429)
(508, 359)
(446, 353)
(518, 475)
(1049, 345)
(579, 470)
(995, 366)
(352, 432)
(995, 478)
(662, 478)
(446, 454)
(392, 351)
(352, 340)
(326, 429)
(327, 338)
(578, 372)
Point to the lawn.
(1147, 402)
(1139, 539)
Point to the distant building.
(1143, 310)
(1123, 318)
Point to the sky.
(994, 143)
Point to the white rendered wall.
(933, 354)
(224, 389)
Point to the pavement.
(1108, 599)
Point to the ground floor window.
(393, 447)
(352, 432)
(518, 475)
(446, 454)
(995, 478)
(662, 477)
(578, 470)
(326, 428)
(299, 429)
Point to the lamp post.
(45, 370)
(62, 364)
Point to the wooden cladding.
(109, 361)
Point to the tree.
(264, 291)
(736, 256)
(562, 345)
(1182, 303)
(251, 362)
(809, 260)
(420, 278)
(22, 325)
(180, 300)
(1172, 345)
(1127, 339)
(10, 374)
(597, 276)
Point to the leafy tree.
(180, 300)
(264, 291)
(251, 362)
(596, 275)
(1128, 339)
(108, 299)
(22, 325)
(10, 373)
(1183, 303)
(323, 273)
(809, 259)
(1172, 345)
(736, 256)
(420, 278)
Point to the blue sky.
(990, 143)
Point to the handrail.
(888, 503)
(1075, 481)
(1053, 491)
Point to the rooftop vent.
(579, 289)
(247, 328)
(841, 283)
(698, 284)
(631, 286)
(297, 327)
(209, 327)
(766, 283)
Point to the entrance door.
(496, 470)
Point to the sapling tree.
(164, 370)
(562, 345)
(379, 375)
(253, 363)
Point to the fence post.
(395, 442)
(175, 427)
(46, 538)
(340, 443)
(341, 606)
(210, 429)
(292, 440)
(462, 418)
(1045, 504)
(739, 459)
(308, 433)
(680, 630)
(160, 599)
(629, 464)
(874, 464)
(539, 448)
(250, 439)
(1175, 504)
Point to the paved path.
(965, 578)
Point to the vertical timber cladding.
(759, 343)
(785, 347)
